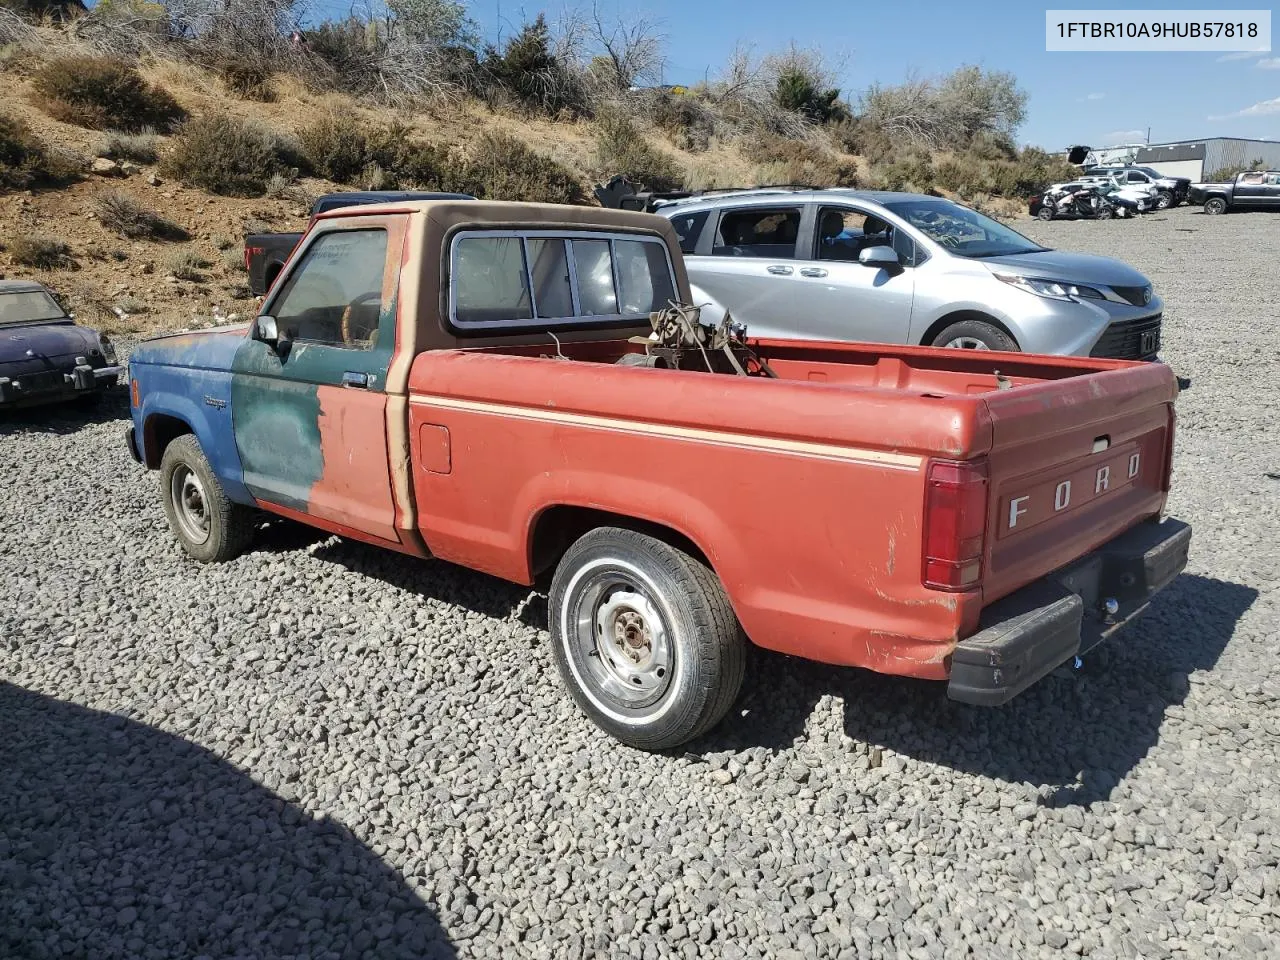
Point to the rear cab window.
(512, 279)
(770, 232)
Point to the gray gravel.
(323, 750)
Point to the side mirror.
(265, 331)
(881, 256)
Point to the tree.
(630, 50)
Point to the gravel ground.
(324, 750)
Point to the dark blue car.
(45, 356)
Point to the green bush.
(528, 71)
(1229, 173)
(337, 146)
(621, 149)
(798, 91)
(101, 93)
(226, 155)
(43, 253)
(26, 162)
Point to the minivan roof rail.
(619, 193)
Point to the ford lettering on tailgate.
(1043, 499)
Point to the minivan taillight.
(955, 524)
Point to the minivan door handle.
(813, 272)
(780, 270)
(353, 379)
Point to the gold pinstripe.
(879, 458)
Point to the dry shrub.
(123, 215)
(804, 163)
(621, 149)
(688, 121)
(26, 162)
(101, 93)
(504, 168)
(226, 155)
(248, 80)
(186, 264)
(140, 147)
(42, 253)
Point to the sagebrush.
(43, 253)
(126, 217)
(226, 155)
(25, 161)
(102, 93)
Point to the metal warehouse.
(1199, 159)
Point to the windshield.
(28, 305)
(960, 230)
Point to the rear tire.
(644, 638)
(1044, 213)
(1215, 205)
(210, 527)
(974, 335)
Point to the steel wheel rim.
(190, 504)
(966, 343)
(620, 641)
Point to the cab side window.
(769, 232)
(334, 296)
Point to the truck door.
(309, 415)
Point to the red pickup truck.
(514, 388)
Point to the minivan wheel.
(644, 638)
(1215, 205)
(974, 335)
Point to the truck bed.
(829, 569)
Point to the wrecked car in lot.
(524, 390)
(45, 356)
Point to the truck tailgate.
(1073, 463)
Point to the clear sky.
(1091, 98)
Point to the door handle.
(780, 271)
(813, 272)
(353, 379)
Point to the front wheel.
(1215, 205)
(644, 638)
(209, 526)
(1164, 200)
(974, 335)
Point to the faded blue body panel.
(188, 376)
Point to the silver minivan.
(905, 268)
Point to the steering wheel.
(948, 240)
(359, 301)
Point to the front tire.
(644, 638)
(210, 527)
(974, 335)
(1215, 205)
(1164, 200)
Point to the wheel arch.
(158, 431)
(956, 316)
(555, 528)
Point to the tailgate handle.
(1101, 443)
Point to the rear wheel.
(209, 526)
(974, 335)
(1215, 205)
(644, 638)
(1105, 212)
(1045, 213)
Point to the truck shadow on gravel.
(66, 418)
(1075, 737)
(119, 840)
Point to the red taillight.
(1168, 449)
(955, 524)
